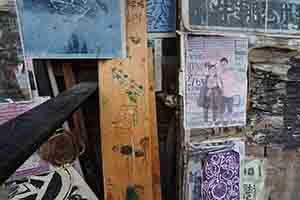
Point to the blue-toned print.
(161, 16)
(72, 28)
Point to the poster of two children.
(215, 81)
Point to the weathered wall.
(272, 120)
(273, 117)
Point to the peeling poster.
(253, 179)
(215, 82)
(14, 82)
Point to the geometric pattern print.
(62, 184)
(221, 176)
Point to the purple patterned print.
(221, 176)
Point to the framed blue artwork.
(161, 16)
(73, 28)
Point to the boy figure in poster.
(229, 84)
(213, 95)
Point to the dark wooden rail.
(21, 137)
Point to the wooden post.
(126, 132)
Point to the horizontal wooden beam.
(21, 137)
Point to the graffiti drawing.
(130, 86)
(128, 113)
(127, 118)
(127, 150)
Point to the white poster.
(215, 81)
(253, 179)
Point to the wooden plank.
(125, 124)
(21, 137)
(153, 125)
(55, 92)
(52, 78)
(78, 118)
(42, 78)
(54, 87)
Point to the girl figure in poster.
(214, 94)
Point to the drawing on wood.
(161, 16)
(215, 82)
(267, 16)
(72, 28)
(132, 89)
(14, 83)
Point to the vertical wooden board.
(78, 118)
(153, 126)
(125, 122)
